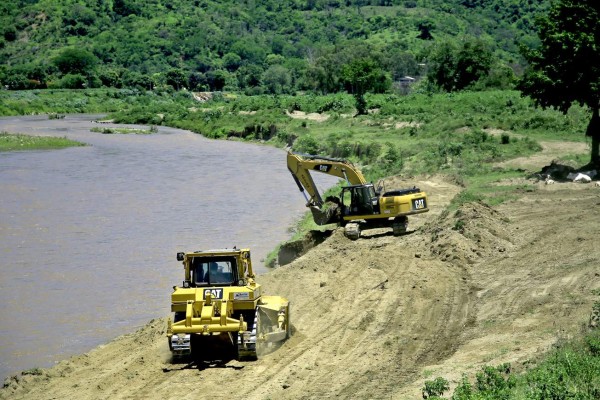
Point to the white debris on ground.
(582, 177)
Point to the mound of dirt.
(376, 317)
(467, 235)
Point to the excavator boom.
(301, 165)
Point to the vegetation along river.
(88, 235)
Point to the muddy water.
(88, 235)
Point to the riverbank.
(101, 224)
(493, 274)
(377, 317)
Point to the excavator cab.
(359, 200)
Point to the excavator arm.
(301, 166)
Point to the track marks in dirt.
(537, 290)
(378, 309)
(375, 317)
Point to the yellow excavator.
(360, 205)
(220, 305)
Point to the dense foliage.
(459, 133)
(565, 69)
(257, 46)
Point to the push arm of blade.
(189, 312)
(224, 313)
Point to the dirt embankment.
(374, 318)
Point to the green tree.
(453, 68)
(176, 78)
(110, 76)
(473, 62)
(232, 61)
(197, 81)
(277, 79)
(134, 79)
(442, 66)
(425, 27)
(249, 76)
(216, 79)
(565, 68)
(73, 81)
(75, 61)
(362, 76)
(15, 80)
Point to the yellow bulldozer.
(220, 304)
(360, 205)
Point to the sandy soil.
(375, 318)
(308, 116)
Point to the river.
(88, 235)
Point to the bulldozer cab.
(359, 200)
(213, 271)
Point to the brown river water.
(88, 235)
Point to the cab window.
(213, 271)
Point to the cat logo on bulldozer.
(214, 293)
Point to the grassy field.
(463, 135)
(14, 142)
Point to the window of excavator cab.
(372, 194)
(213, 271)
(357, 200)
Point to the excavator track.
(400, 225)
(352, 230)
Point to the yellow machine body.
(220, 297)
(360, 205)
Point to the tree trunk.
(593, 131)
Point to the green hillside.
(257, 46)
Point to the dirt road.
(376, 317)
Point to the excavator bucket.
(324, 217)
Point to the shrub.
(72, 81)
(435, 388)
(307, 144)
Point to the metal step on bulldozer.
(220, 305)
